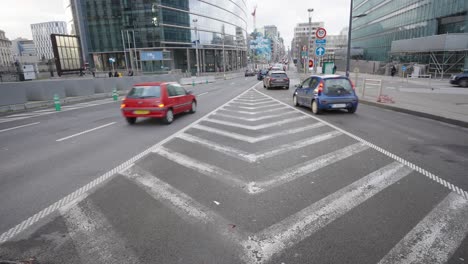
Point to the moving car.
(249, 72)
(460, 79)
(276, 79)
(326, 92)
(261, 74)
(159, 100)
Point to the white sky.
(16, 16)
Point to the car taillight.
(160, 105)
(122, 106)
(286, 79)
(352, 84)
(320, 88)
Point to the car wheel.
(131, 120)
(295, 102)
(352, 110)
(264, 85)
(169, 117)
(463, 83)
(315, 109)
(194, 107)
(287, 87)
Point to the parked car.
(261, 74)
(460, 79)
(276, 79)
(249, 72)
(326, 92)
(159, 100)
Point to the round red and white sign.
(320, 33)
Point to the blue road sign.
(111, 60)
(304, 54)
(320, 41)
(320, 51)
(403, 68)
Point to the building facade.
(162, 35)
(386, 22)
(24, 51)
(5, 50)
(41, 36)
(301, 37)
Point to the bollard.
(58, 107)
(193, 81)
(115, 95)
(206, 80)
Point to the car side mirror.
(189, 92)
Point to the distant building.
(301, 36)
(277, 43)
(41, 35)
(430, 32)
(24, 51)
(5, 50)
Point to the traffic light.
(311, 63)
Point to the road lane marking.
(254, 113)
(436, 237)
(182, 204)
(254, 107)
(252, 104)
(83, 192)
(257, 127)
(16, 127)
(94, 238)
(86, 131)
(299, 226)
(424, 172)
(307, 167)
(253, 119)
(203, 168)
(254, 157)
(256, 139)
(202, 94)
(254, 101)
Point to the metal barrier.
(372, 83)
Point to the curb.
(416, 113)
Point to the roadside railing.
(373, 88)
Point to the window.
(338, 86)
(314, 82)
(171, 91)
(145, 92)
(180, 90)
(305, 83)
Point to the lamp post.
(224, 61)
(306, 61)
(348, 54)
(196, 46)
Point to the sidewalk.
(435, 99)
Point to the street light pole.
(306, 62)
(196, 46)
(348, 54)
(224, 61)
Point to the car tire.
(193, 109)
(169, 117)
(295, 102)
(264, 85)
(315, 109)
(131, 120)
(352, 110)
(463, 82)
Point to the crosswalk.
(248, 153)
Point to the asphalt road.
(254, 181)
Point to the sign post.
(112, 61)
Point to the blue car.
(327, 92)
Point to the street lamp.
(196, 45)
(348, 57)
(306, 62)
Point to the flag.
(255, 10)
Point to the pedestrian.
(334, 69)
(393, 71)
(110, 74)
(116, 74)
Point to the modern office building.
(158, 36)
(24, 51)
(301, 36)
(5, 50)
(431, 32)
(41, 36)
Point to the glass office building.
(387, 21)
(129, 30)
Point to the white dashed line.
(16, 127)
(202, 94)
(86, 131)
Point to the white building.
(24, 51)
(301, 36)
(41, 35)
(5, 50)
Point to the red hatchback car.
(159, 100)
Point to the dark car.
(460, 79)
(158, 100)
(249, 72)
(326, 92)
(276, 79)
(261, 74)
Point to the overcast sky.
(16, 16)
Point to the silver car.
(276, 79)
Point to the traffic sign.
(403, 68)
(311, 63)
(111, 60)
(304, 54)
(320, 33)
(320, 42)
(320, 51)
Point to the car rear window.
(279, 75)
(145, 92)
(339, 86)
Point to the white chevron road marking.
(253, 107)
(253, 118)
(255, 113)
(257, 127)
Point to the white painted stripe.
(86, 131)
(16, 127)
(202, 94)
(256, 139)
(424, 172)
(254, 113)
(306, 222)
(436, 237)
(94, 238)
(254, 157)
(204, 168)
(83, 192)
(256, 118)
(182, 204)
(32, 114)
(265, 99)
(257, 127)
(253, 107)
(307, 167)
(253, 104)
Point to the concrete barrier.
(197, 80)
(12, 93)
